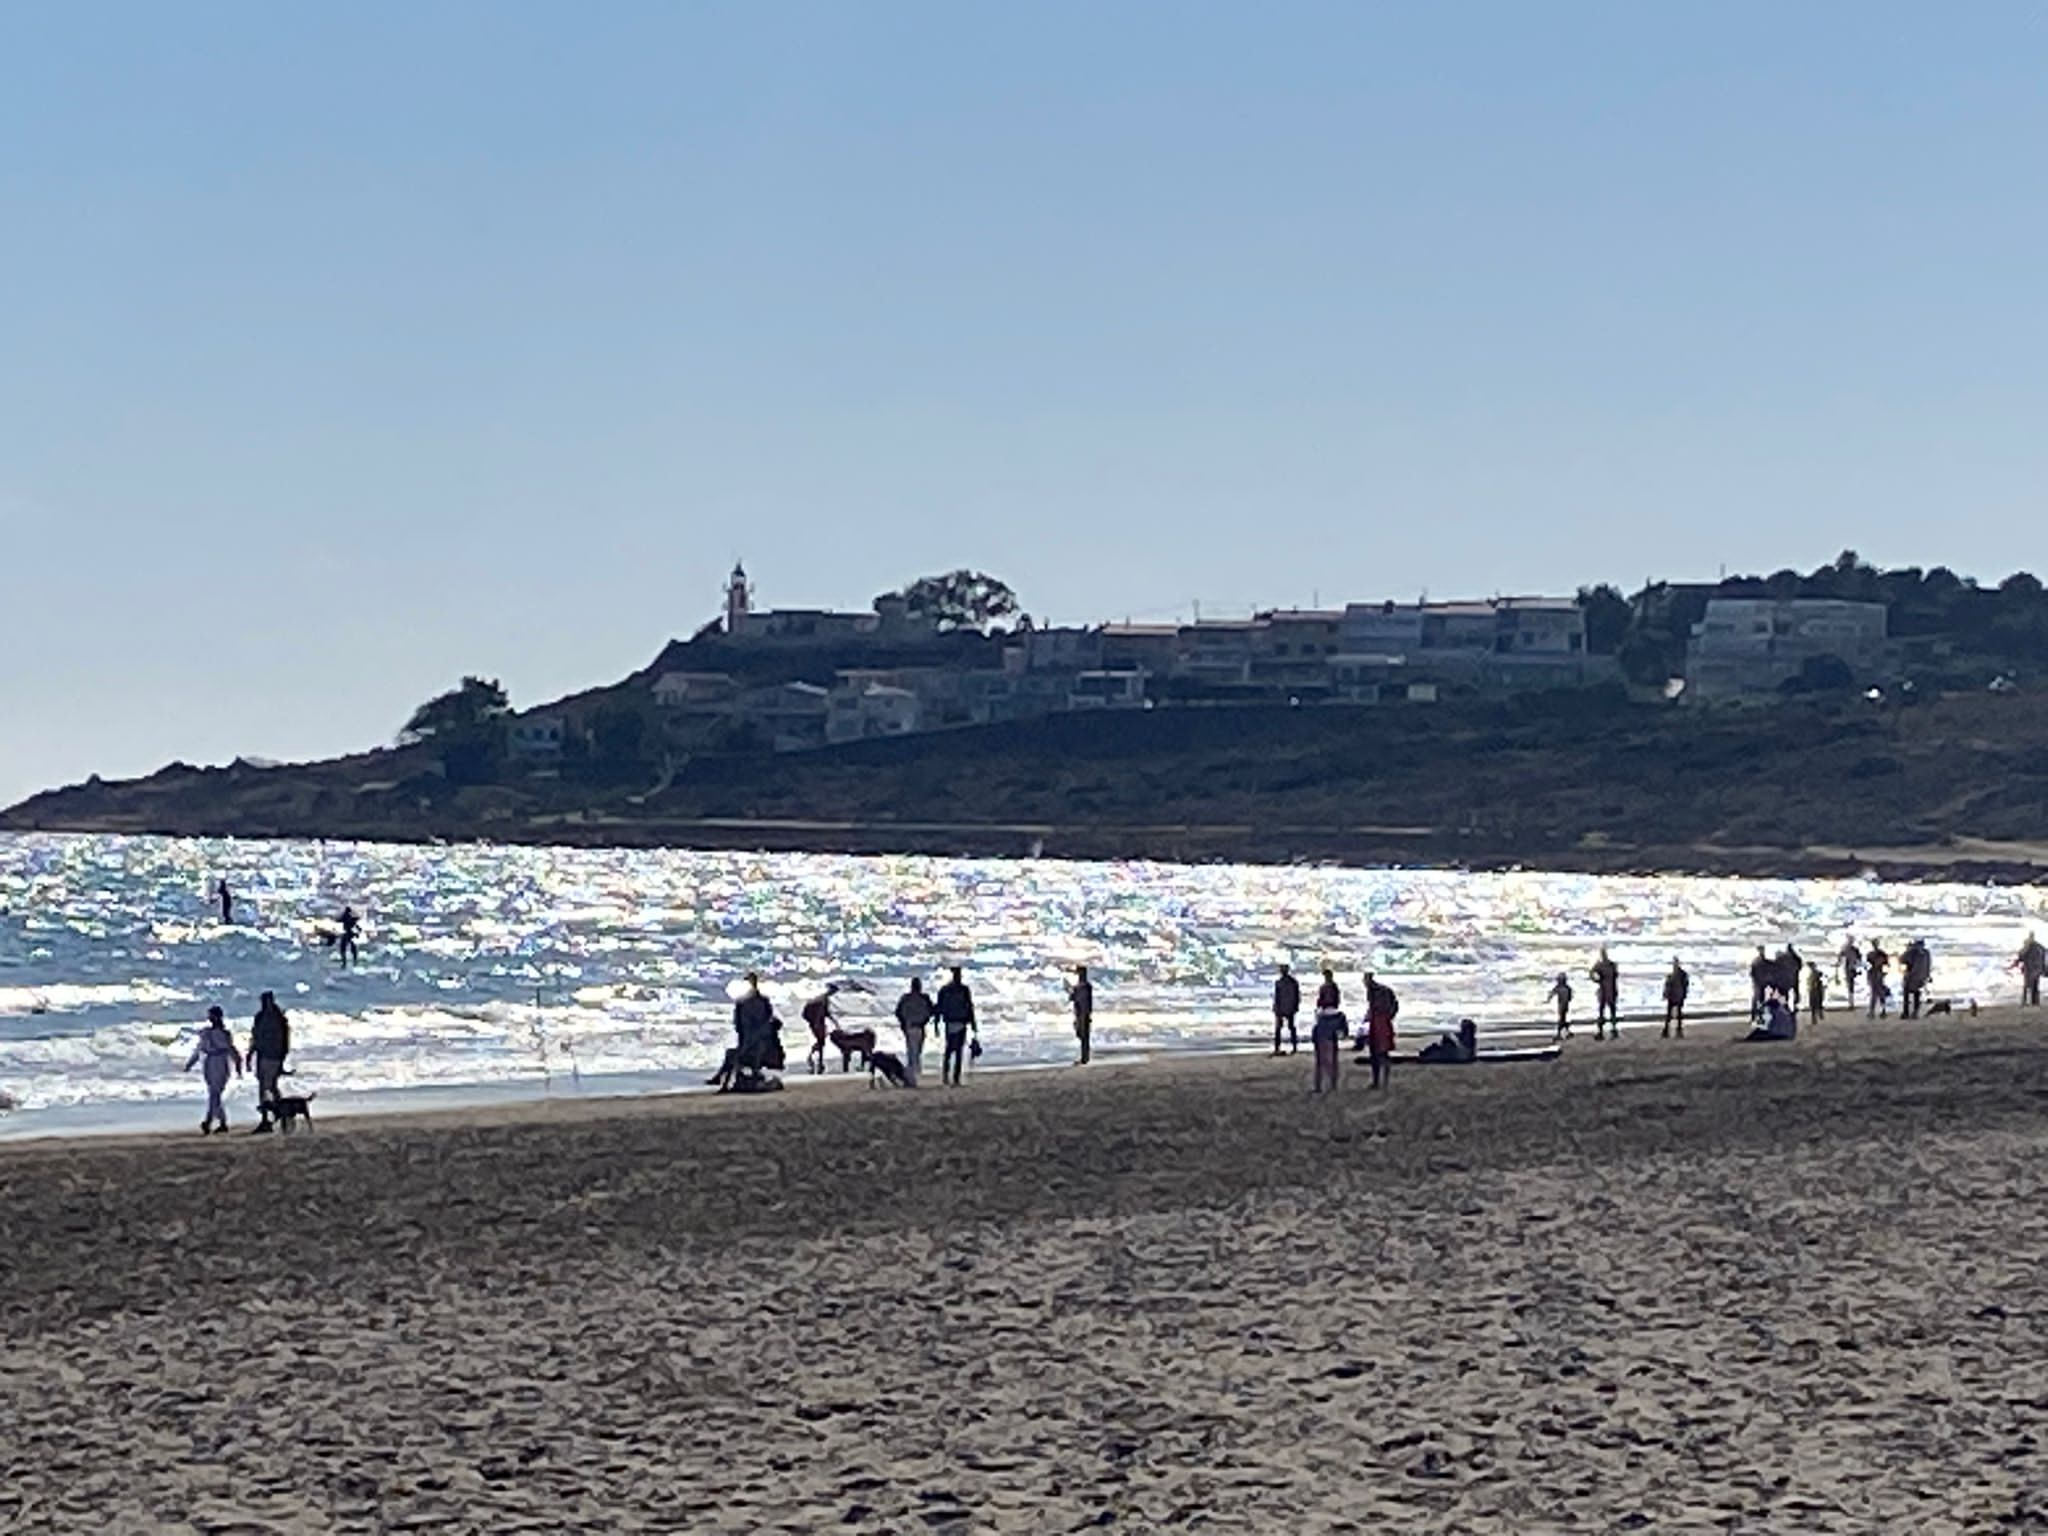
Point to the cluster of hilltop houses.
(794, 679)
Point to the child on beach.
(1561, 994)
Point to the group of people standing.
(215, 1054)
(1375, 1041)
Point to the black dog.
(288, 1111)
(890, 1067)
(850, 1043)
(1944, 1006)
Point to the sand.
(1697, 1287)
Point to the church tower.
(739, 601)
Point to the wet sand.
(1694, 1287)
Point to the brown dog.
(850, 1043)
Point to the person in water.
(1677, 985)
(913, 1013)
(227, 902)
(350, 926)
(1082, 995)
(1286, 1005)
(956, 1014)
(270, 1041)
(818, 1015)
(1561, 994)
(1606, 977)
(215, 1055)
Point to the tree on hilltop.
(960, 600)
(476, 703)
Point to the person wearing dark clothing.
(1286, 1005)
(913, 1012)
(1378, 1040)
(1917, 970)
(270, 1041)
(1761, 972)
(1875, 965)
(227, 903)
(1850, 964)
(350, 924)
(1453, 1050)
(956, 1015)
(1328, 995)
(818, 1015)
(754, 1031)
(2032, 964)
(1816, 993)
(1676, 986)
(1606, 996)
(1082, 995)
(1561, 994)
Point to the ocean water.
(500, 970)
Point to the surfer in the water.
(346, 947)
(227, 903)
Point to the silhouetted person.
(1328, 995)
(215, 1055)
(1780, 1021)
(1082, 995)
(1849, 965)
(1816, 993)
(1916, 971)
(1676, 987)
(1380, 1007)
(956, 1014)
(1452, 1050)
(818, 1015)
(1876, 963)
(1759, 984)
(1286, 1005)
(270, 1041)
(1790, 969)
(350, 925)
(227, 903)
(1561, 994)
(1606, 995)
(753, 1026)
(1326, 1037)
(913, 1012)
(2032, 964)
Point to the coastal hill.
(1584, 779)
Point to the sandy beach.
(1685, 1287)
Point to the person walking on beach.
(1561, 994)
(1916, 971)
(818, 1015)
(1676, 985)
(2031, 963)
(1875, 964)
(1760, 976)
(956, 1014)
(1082, 995)
(227, 902)
(1286, 1004)
(270, 1041)
(1850, 964)
(350, 925)
(1816, 993)
(1606, 995)
(215, 1054)
(913, 1012)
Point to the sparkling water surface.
(494, 967)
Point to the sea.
(496, 972)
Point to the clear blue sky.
(346, 349)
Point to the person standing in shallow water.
(227, 903)
(350, 925)
(1082, 995)
(1561, 994)
(215, 1054)
(1676, 985)
(1606, 996)
(1286, 1005)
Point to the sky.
(348, 349)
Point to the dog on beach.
(889, 1066)
(287, 1112)
(1944, 1006)
(850, 1043)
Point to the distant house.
(859, 710)
(791, 717)
(1746, 646)
(534, 742)
(1152, 648)
(1292, 647)
(1107, 690)
(1217, 652)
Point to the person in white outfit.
(214, 1055)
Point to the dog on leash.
(287, 1112)
(850, 1043)
(889, 1066)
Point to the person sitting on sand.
(1561, 994)
(1286, 1005)
(1460, 1049)
(216, 1051)
(1676, 987)
(1326, 1036)
(1781, 1022)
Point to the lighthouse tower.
(739, 601)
